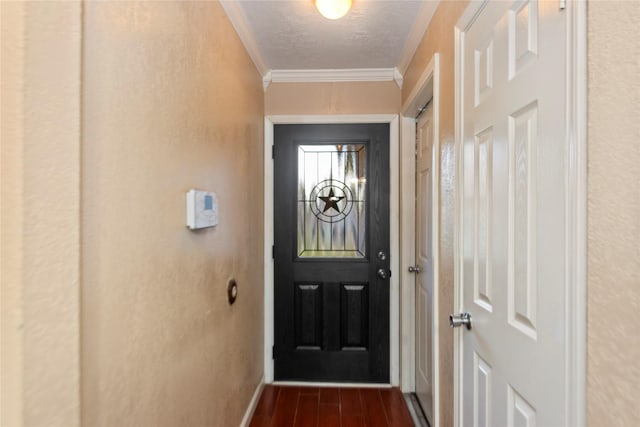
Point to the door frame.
(394, 226)
(428, 86)
(575, 202)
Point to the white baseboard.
(252, 405)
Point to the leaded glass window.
(331, 201)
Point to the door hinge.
(273, 352)
(273, 251)
(563, 4)
(273, 151)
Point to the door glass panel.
(331, 201)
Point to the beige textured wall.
(439, 39)
(11, 223)
(332, 98)
(614, 214)
(40, 210)
(171, 101)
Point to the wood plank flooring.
(284, 406)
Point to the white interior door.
(513, 212)
(424, 261)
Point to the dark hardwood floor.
(283, 406)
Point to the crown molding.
(333, 75)
(266, 80)
(239, 21)
(417, 33)
(397, 76)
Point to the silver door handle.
(382, 273)
(457, 320)
(414, 269)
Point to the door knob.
(457, 320)
(414, 269)
(382, 273)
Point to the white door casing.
(427, 87)
(518, 274)
(424, 306)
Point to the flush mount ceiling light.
(333, 9)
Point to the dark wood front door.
(331, 223)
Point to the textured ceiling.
(293, 34)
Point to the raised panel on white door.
(425, 250)
(468, 215)
(523, 35)
(482, 392)
(483, 71)
(483, 167)
(423, 330)
(425, 139)
(523, 286)
(519, 412)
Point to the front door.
(424, 262)
(514, 210)
(331, 254)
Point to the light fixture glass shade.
(333, 9)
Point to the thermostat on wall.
(202, 209)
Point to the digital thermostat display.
(202, 209)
